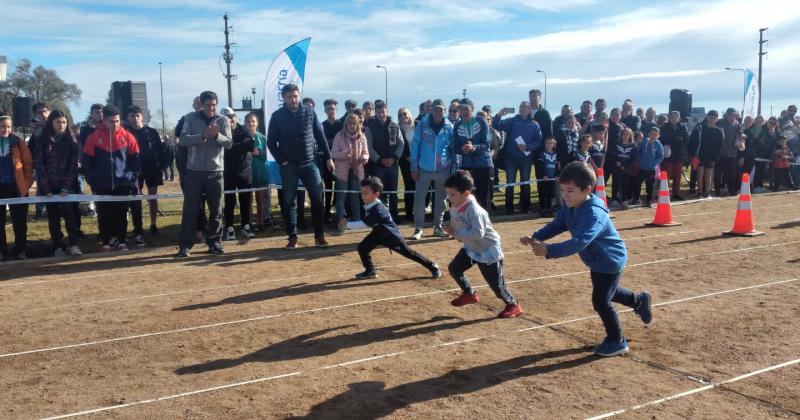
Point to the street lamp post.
(744, 87)
(545, 86)
(385, 82)
(163, 121)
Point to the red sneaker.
(465, 299)
(511, 311)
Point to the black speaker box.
(681, 100)
(23, 113)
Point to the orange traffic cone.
(663, 216)
(744, 225)
(600, 188)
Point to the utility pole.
(161, 83)
(761, 54)
(228, 58)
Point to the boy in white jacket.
(470, 224)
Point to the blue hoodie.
(594, 237)
(650, 155)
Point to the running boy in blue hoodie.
(600, 247)
(470, 224)
(384, 232)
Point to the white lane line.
(189, 291)
(346, 305)
(418, 350)
(366, 359)
(172, 397)
(696, 390)
(301, 253)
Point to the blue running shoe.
(645, 308)
(611, 348)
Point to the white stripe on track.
(172, 397)
(347, 305)
(451, 343)
(295, 253)
(696, 390)
(189, 291)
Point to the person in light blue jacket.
(431, 162)
(600, 247)
(651, 153)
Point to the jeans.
(424, 180)
(378, 238)
(308, 172)
(523, 166)
(55, 211)
(348, 198)
(197, 184)
(620, 185)
(388, 176)
(492, 273)
(725, 174)
(605, 290)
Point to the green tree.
(40, 84)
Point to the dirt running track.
(266, 333)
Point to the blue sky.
(589, 48)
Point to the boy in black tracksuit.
(384, 233)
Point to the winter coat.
(57, 164)
(432, 151)
(296, 136)
(111, 160)
(356, 147)
(205, 155)
(677, 138)
(528, 129)
(481, 155)
(22, 164)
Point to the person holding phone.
(206, 134)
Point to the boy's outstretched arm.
(554, 228)
(584, 234)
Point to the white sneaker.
(247, 233)
(417, 234)
(230, 235)
(75, 251)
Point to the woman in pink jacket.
(350, 154)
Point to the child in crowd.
(598, 150)
(470, 224)
(384, 233)
(621, 178)
(350, 154)
(780, 164)
(583, 154)
(650, 153)
(635, 180)
(600, 247)
(548, 161)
